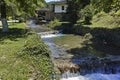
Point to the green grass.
(104, 20)
(69, 41)
(16, 59)
(15, 25)
(18, 25)
(78, 46)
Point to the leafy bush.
(87, 14)
(35, 46)
(36, 55)
(54, 24)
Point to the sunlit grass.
(103, 20)
(12, 67)
(78, 46)
(69, 41)
(17, 66)
(18, 25)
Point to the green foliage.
(74, 29)
(87, 14)
(29, 6)
(55, 24)
(116, 5)
(86, 9)
(23, 7)
(74, 6)
(23, 55)
(106, 5)
(106, 20)
(35, 46)
(37, 53)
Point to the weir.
(48, 33)
(89, 68)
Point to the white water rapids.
(51, 35)
(92, 76)
(95, 76)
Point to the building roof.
(58, 2)
(44, 10)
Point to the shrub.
(36, 54)
(35, 46)
(87, 14)
(54, 24)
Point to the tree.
(87, 14)
(105, 5)
(3, 16)
(25, 7)
(74, 7)
(116, 5)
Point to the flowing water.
(95, 76)
(48, 39)
(103, 71)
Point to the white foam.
(95, 76)
(51, 35)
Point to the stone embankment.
(90, 65)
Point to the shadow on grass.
(13, 34)
(78, 52)
(104, 40)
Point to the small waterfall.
(95, 76)
(50, 34)
(83, 69)
(95, 69)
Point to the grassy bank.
(64, 41)
(79, 46)
(23, 55)
(103, 39)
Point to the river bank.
(73, 56)
(80, 61)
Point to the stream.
(90, 68)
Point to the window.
(63, 8)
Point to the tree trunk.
(3, 17)
(4, 25)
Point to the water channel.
(82, 67)
(88, 68)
